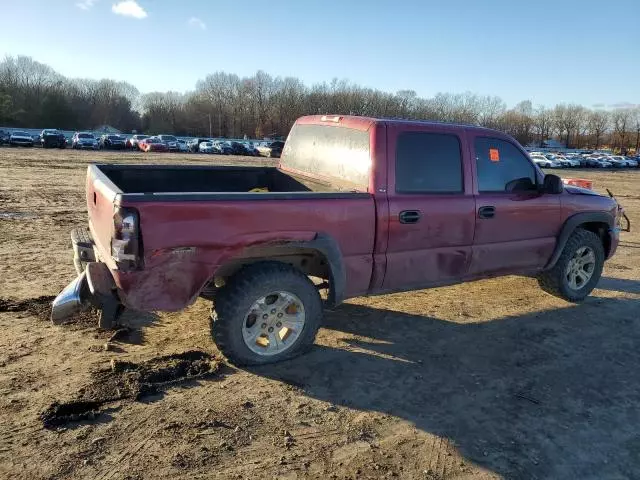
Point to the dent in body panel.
(221, 230)
(510, 257)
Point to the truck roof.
(363, 123)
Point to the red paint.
(186, 242)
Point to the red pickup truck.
(357, 206)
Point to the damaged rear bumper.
(93, 287)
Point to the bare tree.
(34, 95)
(635, 116)
(543, 123)
(598, 124)
(621, 119)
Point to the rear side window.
(428, 163)
(502, 167)
(339, 154)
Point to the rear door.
(516, 225)
(431, 206)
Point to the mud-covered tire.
(251, 283)
(555, 282)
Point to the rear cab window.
(336, 154)
(428, 163)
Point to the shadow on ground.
(619, 285)
(552, 394)
(131, 323)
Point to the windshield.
(21, 134)
(168, 138)
(85, 135)
(114, 137)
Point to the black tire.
(242, 290)
(554, 281)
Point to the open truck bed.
(194, 181)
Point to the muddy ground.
(483, 380)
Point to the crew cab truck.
(360, 205)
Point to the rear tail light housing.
(126, 243)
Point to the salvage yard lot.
(487, 379)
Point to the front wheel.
(578, 270)
(266, 313)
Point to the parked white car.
(573, 161)
(137, 139)
(182, 145)
(544, 162)
(206, 147)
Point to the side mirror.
(552, 184)
(520, 185)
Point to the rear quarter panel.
(186, 242)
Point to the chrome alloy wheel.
(274, 323)
(580, 268)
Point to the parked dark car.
(4, 137)
(251, 149)
(51, 138)
(170, 141)
(224, 148)
(20, 139)
(271, 149)
(451, 203)
(112, 142)
(238, 148)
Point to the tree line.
(33, 95)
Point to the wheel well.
(309, 261)
(601, 229)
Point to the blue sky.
(545, 51)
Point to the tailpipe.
(71, 300)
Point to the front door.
(516, 225)
(431, 207)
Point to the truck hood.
(572, 189)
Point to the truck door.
(431, 206)
(516, 224)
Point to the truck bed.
(177, 179)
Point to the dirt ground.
(483, 380)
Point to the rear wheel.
(266, 313)
(578, 270)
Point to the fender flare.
(569, 227)
(330, 249)
(322, 243)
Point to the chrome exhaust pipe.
(70, 300)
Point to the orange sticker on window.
(494, 155)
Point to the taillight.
(126, 245)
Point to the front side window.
(501, 167)
(428, 163)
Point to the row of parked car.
(574, 159)
(51, 138)
(218, 147)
